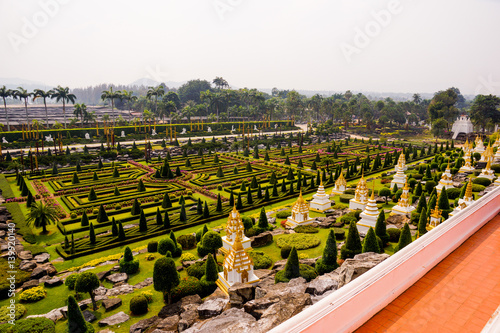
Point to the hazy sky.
(368, 45)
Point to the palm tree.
(111, 95)
(80, 110)
(22, 93)
(129, 98)
(170, 108)
(39, 93)
(220, 83)
(15, 165)
(63, 94)
(6, 93)
(158, 91)
(41, 215)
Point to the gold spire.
(436, 212)
(468, 190)
(373, 191)
(448, 166)
(237, 246)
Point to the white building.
(403, 207)
(321, 200)
(462, 125)
(234, 227)
(300, 213)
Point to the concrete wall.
(352, 305)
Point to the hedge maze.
(122, 202)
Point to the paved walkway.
(458, 295)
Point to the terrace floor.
(460, 294)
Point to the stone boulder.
(30, 284)
(240, 293)
(38, 272)
(143, 284)
(232, 320)
(168, 324)
(145, 324)
(100, 291)
(27, 265)
(360, 264)
(190, 302)
(288, 306)
(170, 310)
(397, 220)
(320, 286)
(188, 318)
(25, 255)
(54, 282)
(117, 277)
(51, 270)
(89, 316)
(212, 308)
(262, 239)
(115, 319)
(111, 303)
(42, 258)
(280, 264)
(120, 290)
(103, 274)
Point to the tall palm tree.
(111, 95)
(80, 110)
(220, 83)
(41, 215)
(155, 92)
(6, 93)
(63, 94)
(22, 93)
(129, 97)
(170, 108)
(39, 93)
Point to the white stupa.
(462, 125)
(467, 167)
(300, 213)
(487, 172)
(234, 227)
(369, 216)
(321, 200)
(238, 267)
(360, 195)
(403, 207)
(446, 180)
(435, 217)
(400, 177)
(467, 199)
(479, 145)
(340, 185)
(497, 155)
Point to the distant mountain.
(13, 83)
(150, 82)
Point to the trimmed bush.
(482, 181)
(370, 243)
(477, 188)
(345, 198)
(32, 295)
(128, 264)
(283, 214)
(353, 243)
(139, 305)
(339, 233)
(166, 244)
(153, 246)
(70, 281)
(187, 257)
(394, 234)
(299, 241)
(285, 251)
(19, 311)
(328, 261)
(305, 229)
(305, 271)
(31, 325)
(187, 241)
(404, 238)
(187, 286)
(260, 259)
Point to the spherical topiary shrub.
(73, 215)
(166, 244)
(429, 186)
(33, 295)
(187, 241)
(187, 257)
(153, 246)
(283, 214)
(339, 233)
(300, 241)
(306, 229)
(285, 251)
(393, 234)
(187, 286)
(139, 305)
(70, 281)
(453, 193)
(31, 325)
(477, 188)
(482, 181)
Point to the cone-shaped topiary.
(121, 231)
(219, 203)
(143, 224)
(78, 167)
(166, 203)
(199, 207)
(166, 221)
(263, 222)
(116, 191)
(370, 244)
(404, 238)
(206, 211)
(95, 176)
(75, 179)
(182, 215)
(422, 222)
(248, 167)
(92, 234)
(328, 262)
(159, 219)
(353, 243)
(100, 165)
(292, 269)
(380, 229)
(84, 220)
(231, 199)
(76, 321)
(140, 186)
(116, 173)
(422, 204)
(114, 228)
(249, 197)
(211, 273)
(92, 195)
(136, 207)
(239, 204)
(54, 169)
(443, 202)
(128, 264)
(102, 216)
